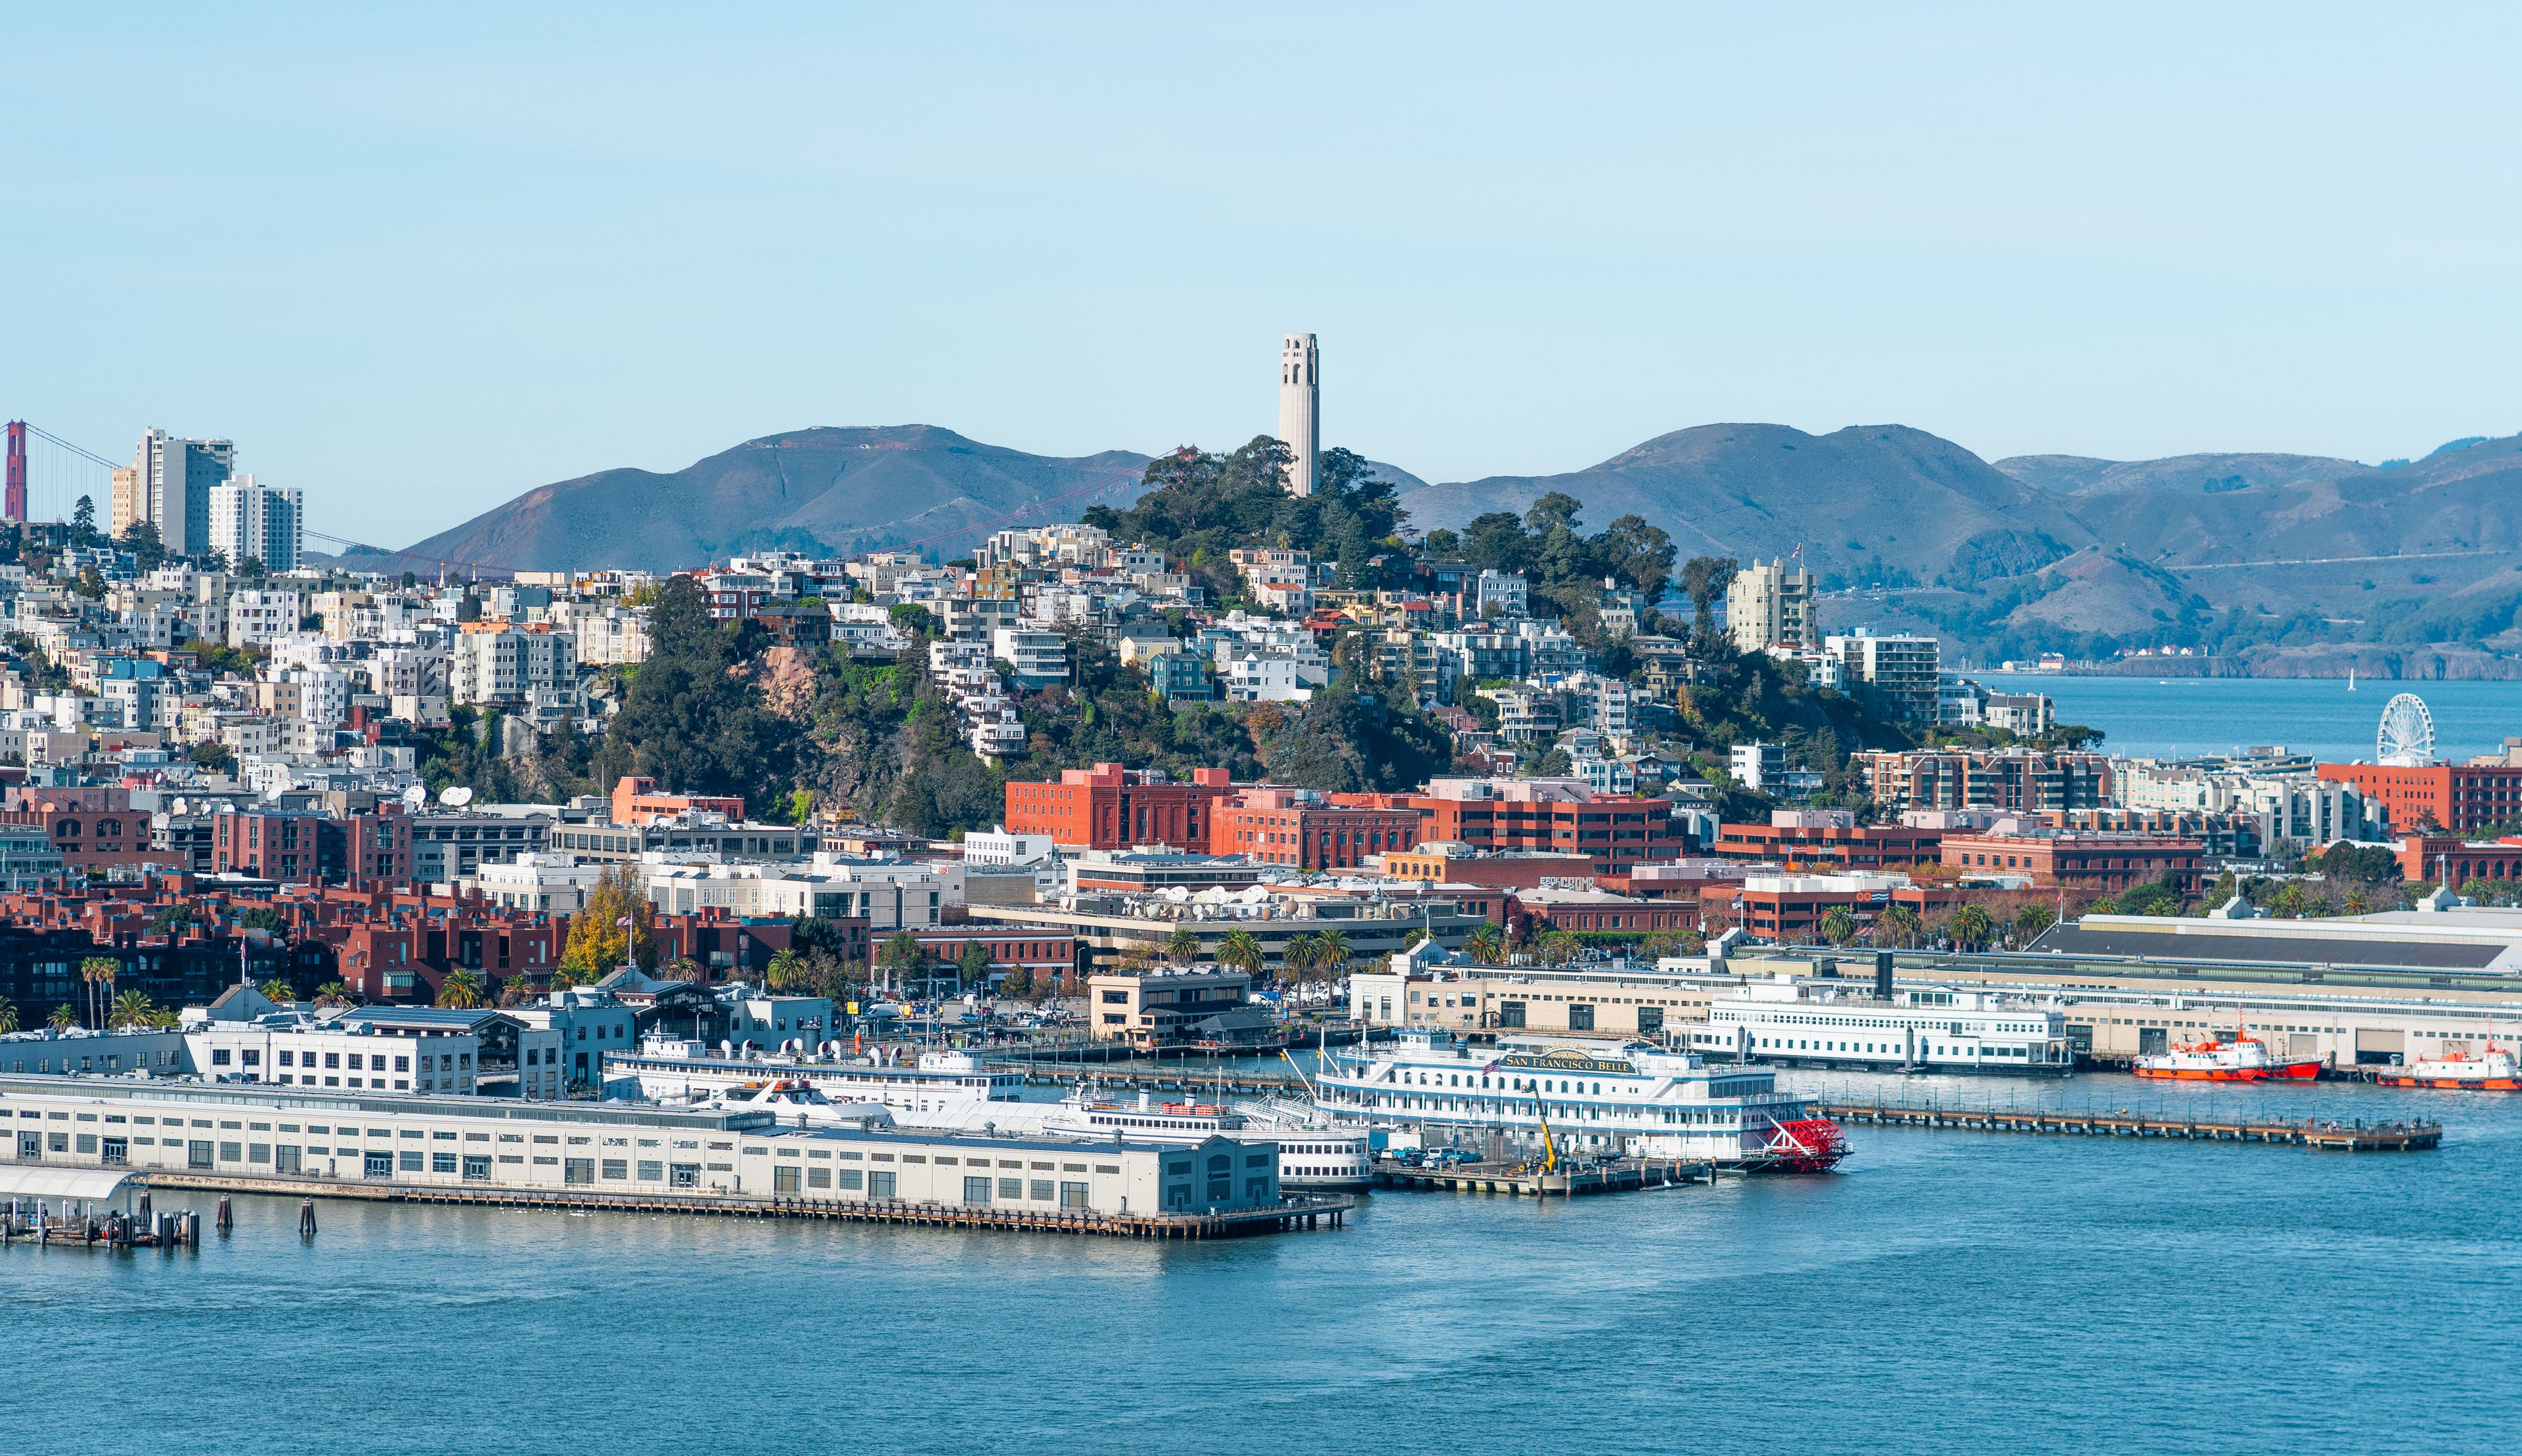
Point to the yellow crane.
(1548, 1143)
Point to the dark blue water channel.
(1946, 1292)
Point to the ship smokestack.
(1882, 975)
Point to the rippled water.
(2175, 717)
(1946, 1291)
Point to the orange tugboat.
(2243, 1058)
(2491, 1071)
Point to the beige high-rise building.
(1301, 397)
(130, 498)
(1769, 606)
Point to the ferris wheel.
(2407, 737)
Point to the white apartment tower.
(174, 481)
(1770, 605)
(265, 521)
(1301, 397)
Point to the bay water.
(2182, 717)
(1943, 1291)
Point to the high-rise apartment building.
(249, 519)
(1897, 673)
(176, 480)
(1770, 605)
(1301, 397)
(130, 498)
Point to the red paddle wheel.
(1810, 1144)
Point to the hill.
(841, 490)
(1872, 503)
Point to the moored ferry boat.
(2242, 1058)
(2494, 1069)
(1616, 1097)
(670, 1069)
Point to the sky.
(418, 260)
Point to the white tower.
(1301, 397)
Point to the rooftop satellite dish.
(417, 795)
(181, 807)
(455, 798)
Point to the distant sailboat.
(2351, 679)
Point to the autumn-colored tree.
(615, 926)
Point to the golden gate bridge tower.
(13, 505)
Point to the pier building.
(265, 1134)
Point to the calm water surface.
(2172, 717)
(1946, 1292)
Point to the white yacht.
(1610, 1098)
(1315, 1155)
(671, 1069)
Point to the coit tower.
(1301, 397)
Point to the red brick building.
(1306, 830)
(1615, 832)
(2457, 797)
(2103, 863)
(375, 847)
(2456, 862)
(93, 828)
(1830, 849)
(1110, 807)
(1586, 910)
(1789, 908)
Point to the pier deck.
(1625, 1176)
(2341, 1137)
(1306, 1211)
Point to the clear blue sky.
(416, 259)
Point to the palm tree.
(784, 969)
(2031, 921)
(1559, 947)
(1332, 954)
(462, 990)
(1240, 951)
(332, 993)
(1296, 960)
(131, 1009)
(1837, 926)
(97, 973)
(8, 1016)
(1900, 923)
(1183, 946)
(278, 991)
(63, 1017)
(1485, 943)
(1970, 928)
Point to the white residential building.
(255, 618)
(266, 523)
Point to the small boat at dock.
(2494, 1069)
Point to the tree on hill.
(691, 720)
(1200, 506)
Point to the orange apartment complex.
(1560, 815)
(2457, 797)
(1307, 830)
(1829, 840)
(1110, 807)
(2102, 863)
